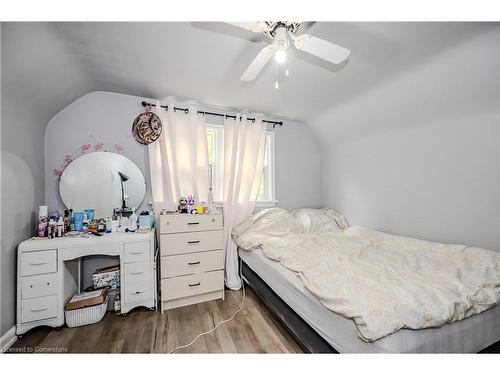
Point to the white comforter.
(383, 282)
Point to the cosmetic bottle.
(52, 228)
(133, 221)
(211, 203)
(66, 222)
(109, 225)
(60, 227)
(85, 221)
(71, 219)
(42, 221)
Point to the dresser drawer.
(181, 243)
(191, 285)
(135, 272)
(38, 262)
(38, 308)
(185, 264)
(188, 223)
(136, 252)
(135, 292)
(38, 285)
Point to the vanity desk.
(49, 273)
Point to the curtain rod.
(186, 111)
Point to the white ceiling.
(49, 65)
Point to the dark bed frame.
(305, 336)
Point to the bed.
(319, 329)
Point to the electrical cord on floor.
(218, 324)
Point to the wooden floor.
(253, 330)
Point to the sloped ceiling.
(49, 65)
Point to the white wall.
(298, 166)
(22, 175)
(418, 155)
(107, 117)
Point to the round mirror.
(102, 181)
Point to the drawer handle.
(137, 252)
(137, 273)
(194, 223)
(193, 263)
(38, 263)
(39, 309)
(193, 242)
(195, 284)
(139, 292)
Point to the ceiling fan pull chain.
(276, 85)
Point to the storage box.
(146, 222)
(107, 277)
(86, 299)
(86, 315)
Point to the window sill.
(266, 204)
(260, 204)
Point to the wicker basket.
(86, 315)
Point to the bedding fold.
(383, 282)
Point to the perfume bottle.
(211, 204)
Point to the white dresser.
(192, 259)
(49, 273)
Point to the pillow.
(309, 220)
(276, 221)
(337, 217)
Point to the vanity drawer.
(191, 285)
(135, 292)
(185, 264)
(38, 308)
(188, 223)
(136, 252)
(38, 262)
(38, 285)
(181, 243)
(134, 272)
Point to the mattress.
(466, 336)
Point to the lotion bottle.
(60, 227)
(109, 225)
(52, 228)
(133, 221)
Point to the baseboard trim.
(8, 339)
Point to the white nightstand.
(192, 259)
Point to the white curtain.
(178, 160)
(244, 149)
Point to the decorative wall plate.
(146, 128)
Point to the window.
(215, 142)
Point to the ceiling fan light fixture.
(280, 56)
(284, 33)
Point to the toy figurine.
(190, 204)
(182, 208)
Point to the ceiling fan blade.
(255, 27)
(321, 48)
(258, 64)
(306, 25)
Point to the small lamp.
(123, 178)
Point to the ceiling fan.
(281, 33)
